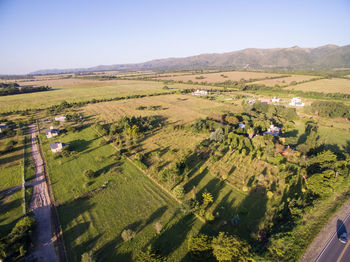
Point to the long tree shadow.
(172, 237)
(251, 212)
(155, 215)
(7, 207)
(194, 181)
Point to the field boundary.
(56, 226)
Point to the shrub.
(89, 173)
(178, 191)
(128, 234)
(158, 227)
(87, 257)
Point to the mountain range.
(324, 57)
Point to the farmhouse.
(60, 118)
(296, 101)
(57, 147)
(200, 93)
(52, 132)
(3, 127)
(275, 99)
(251, 101)
(273, 130)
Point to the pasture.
(285, 81)
(333, 85)
(94, 221)
(175, 108)
(76, 90)
(11, 205)
(220, 77)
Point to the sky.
(47, 34)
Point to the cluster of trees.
(15, 244)
(331, 109)
(13, 89)
(223, 247)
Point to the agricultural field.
(94, 221)
(333, 85)
(285, 81)
(175, 108)
(221, 77)
(77, 90)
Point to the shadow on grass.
(173, 236)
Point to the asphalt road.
(335, 251)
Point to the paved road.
(335, 251)
(41, 206)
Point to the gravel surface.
(41, 206)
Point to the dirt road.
(41, 206)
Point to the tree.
(230, 248)
(217, 135)
(148, 255)
(200, 246)
(207, 199)
(232, 120)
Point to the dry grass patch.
(220, 77)
(334, 85)
(176, 108)
(285, 80)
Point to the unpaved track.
(41, 206)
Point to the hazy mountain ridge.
(324, 57)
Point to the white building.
(273, 130)
(296, 101)
(251, 101)
(56, 147)
(200, 93)
(275, 100)
(60, 118)
(52, 132)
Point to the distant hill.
(324, 57)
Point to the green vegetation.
(14, 89)
(146, 177)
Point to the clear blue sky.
(68, 34)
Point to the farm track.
(40, 204)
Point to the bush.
(87, 257)
(158, 227)
(128, 234)
(178, 191)
(89, 173)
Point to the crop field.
(175, 108)
(334, 85)
(221, 77)
(285, 80)
(76, 90)
(130, 200)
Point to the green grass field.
(10, 176)
(11, 208)
(78, 90)
(130, 200)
